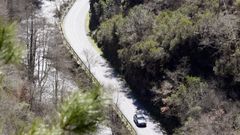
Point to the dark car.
(140, 120)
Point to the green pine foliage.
(189, 96)
(108, 30)
(10, 51)
(39, 128)
(81, 113)
(172, 28)
(146, 51)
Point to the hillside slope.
(181, 57)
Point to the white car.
(140, 120)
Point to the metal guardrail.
(124, 120)
(86, 69)
(70, 49)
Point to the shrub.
(10, 52)
(82, 112)
(172, 28)
(187, 99)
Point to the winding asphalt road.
(76, 34)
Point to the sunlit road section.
(75, 32)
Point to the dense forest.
(180, 56)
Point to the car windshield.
(140, 116)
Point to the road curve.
(75, 32)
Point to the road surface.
(75, 32)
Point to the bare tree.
(43, 67)
(90, 59)
(56, 87)
(36, 39)
(31, 56)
